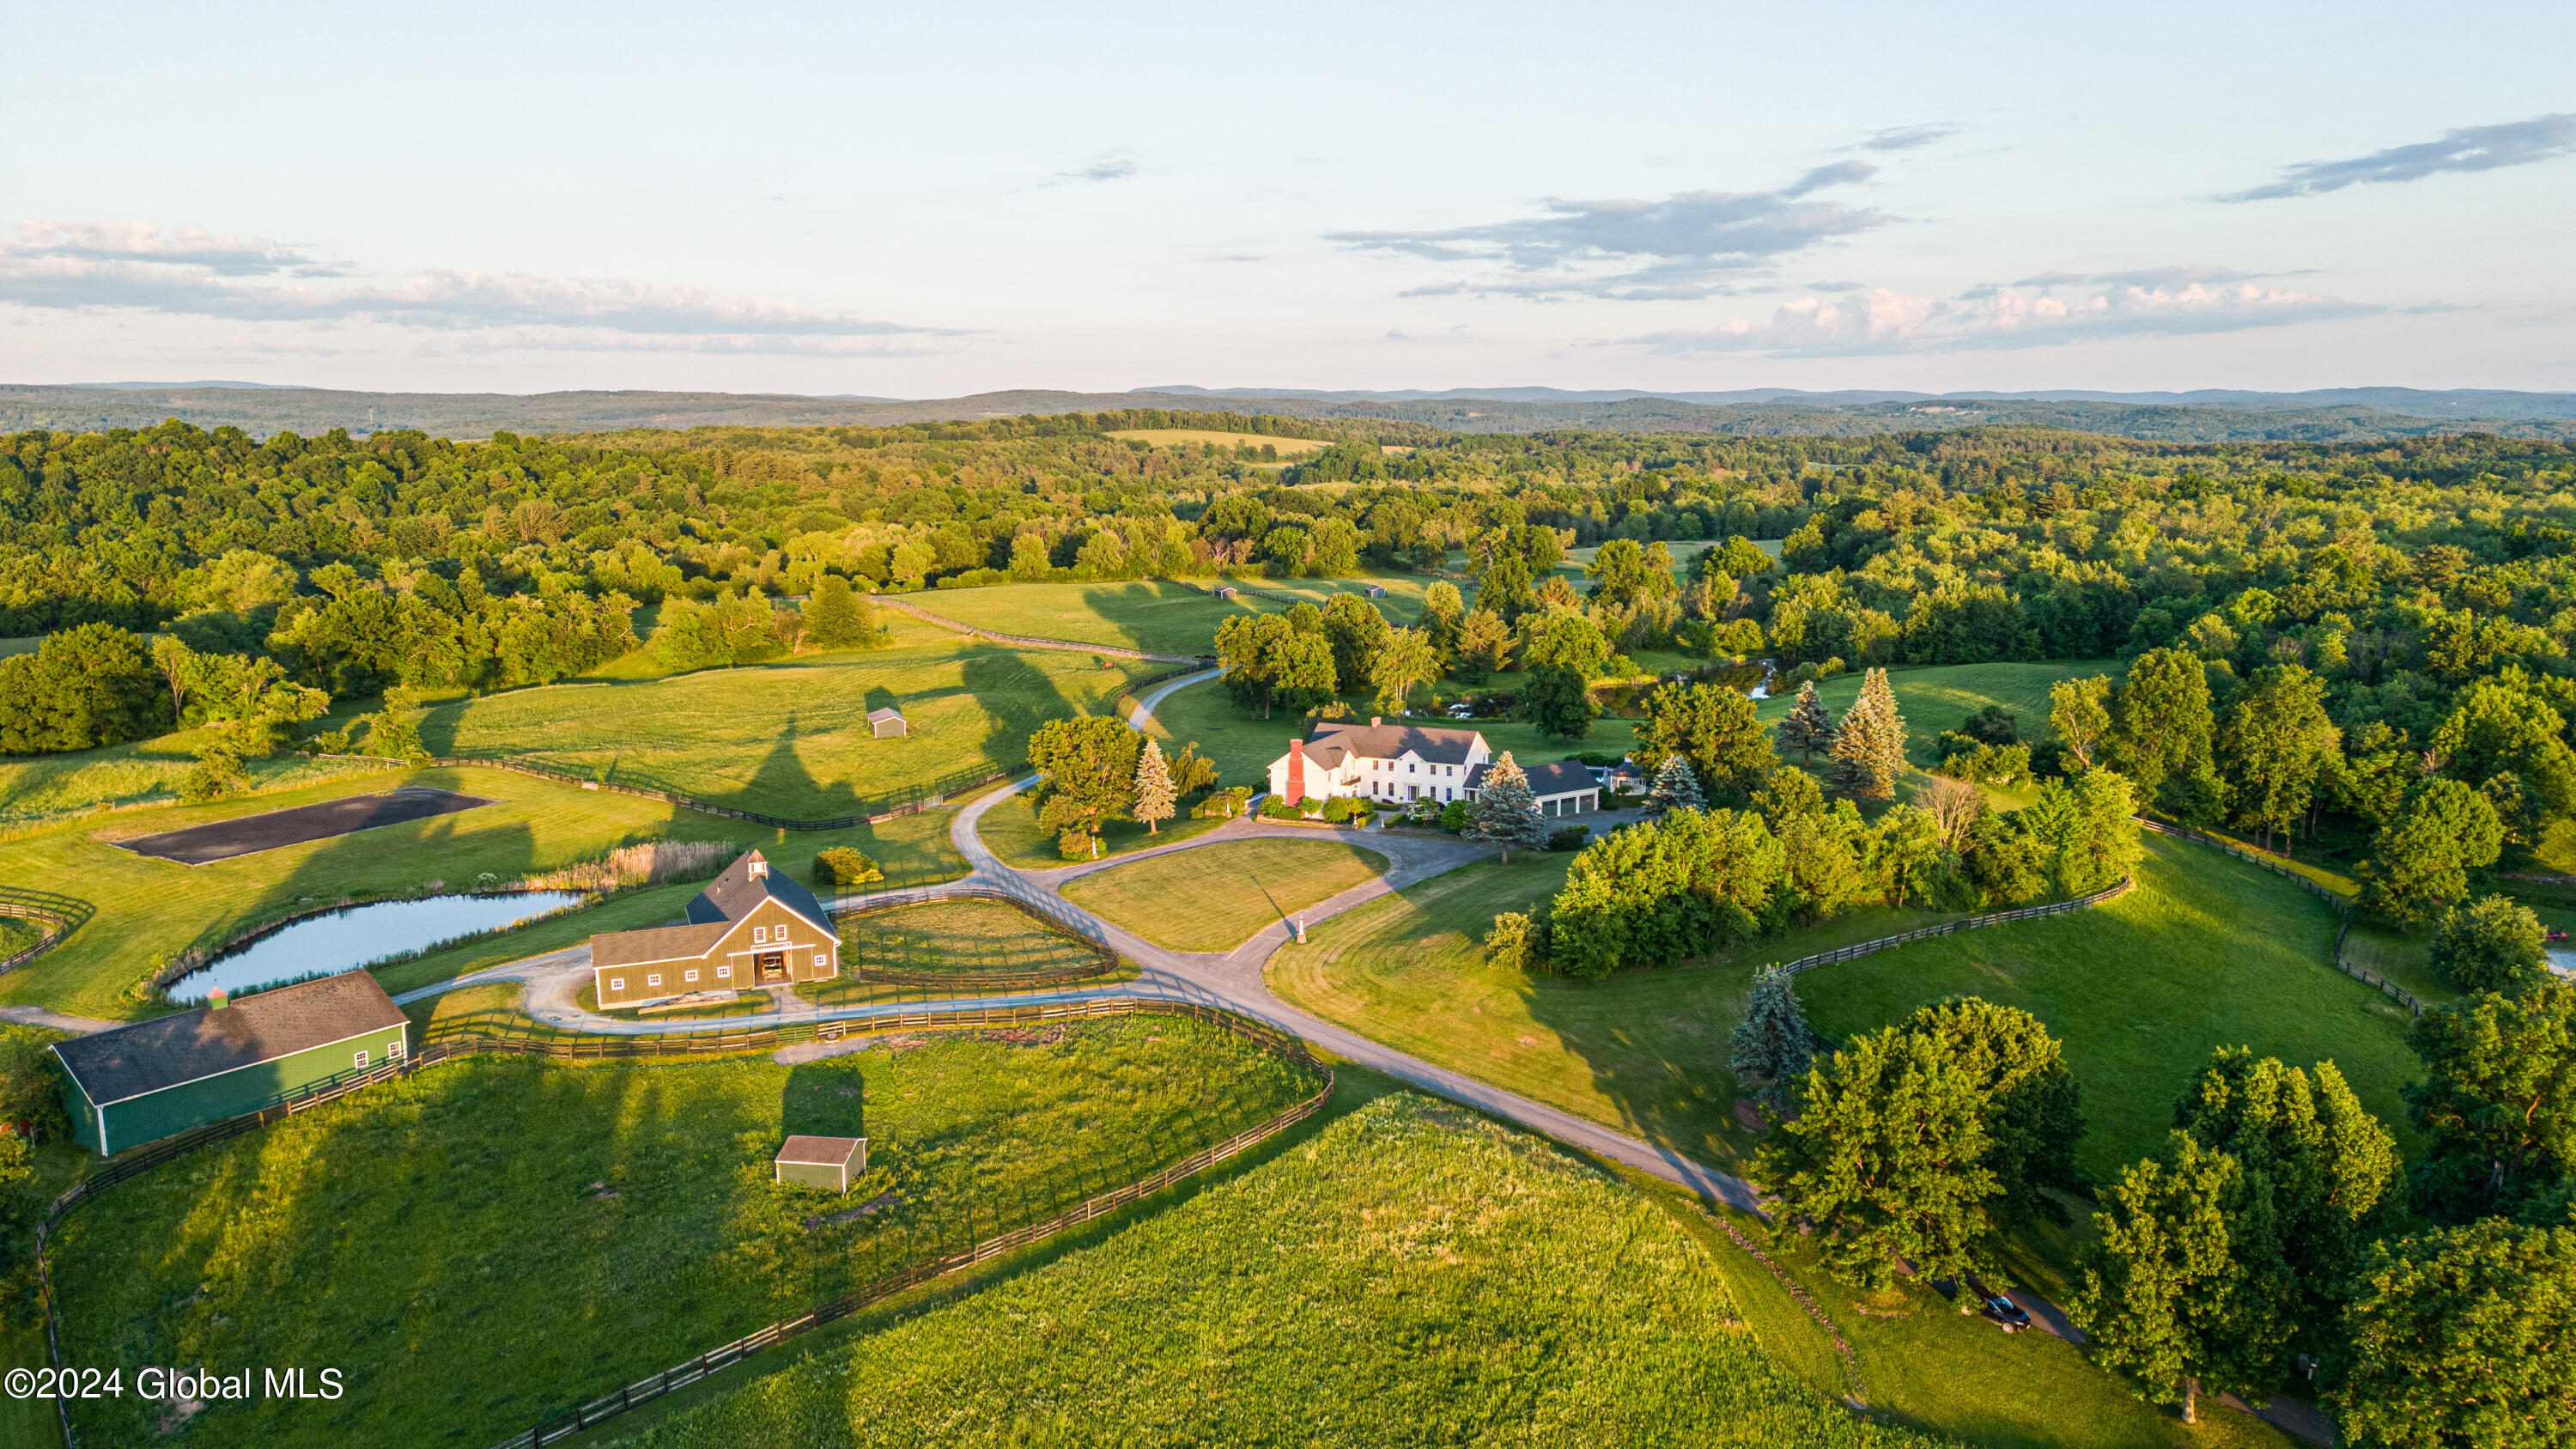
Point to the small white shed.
(888, 723)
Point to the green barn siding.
(172, 1110)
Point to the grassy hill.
(483, 1243)
(1411, 1274)
(792, 738)
(148, 909)
(2206, 952)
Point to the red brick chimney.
(1296, 771)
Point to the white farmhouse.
(1400, 763)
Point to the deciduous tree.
(1887, 1161)
(1406, 658)
(2462, 1338)
(1090, 769)
(2498, 1098)
(1484, 646)
(2186, 1293)
(2161, 721)
(2420, 860)
(1716, 730)
(2494, 945)
(2079, 715)
(2272, 745)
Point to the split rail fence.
(1048, 910)
(470, 1038)
(59, 915)
(1950, 928)
(2342, 907)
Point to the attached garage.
(156, 1078)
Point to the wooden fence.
(60, 915)
(1947, 928)
(2342, 906)
(471, 1039)
(1047, 910)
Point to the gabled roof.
(820, 1151)
(880, 716)
(656, 943)
(740, 890)
(1333, 741)
(1562, 778)
(170, 1050)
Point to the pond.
(328, 945)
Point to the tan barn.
(750, 927)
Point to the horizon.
(1929, 212)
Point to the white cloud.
(1111, 166)
(2466, 148)
(1908, 138)
(1690, 245)
(2040, 312)
(189, 272)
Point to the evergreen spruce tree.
(1774, 1041)
(1675, 788)
(1869, 745)
(1155, 793)
(1505, 811)
(1809, 727)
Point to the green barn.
(147, 1081)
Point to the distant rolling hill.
(2345, 415)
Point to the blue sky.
(923, 201)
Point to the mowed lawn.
(1214, 897)
(148, 910)
(1413, 1273)
(1009, 829)
(792, 739)
(484, 1244)
(1156, 615)
(2207, 952)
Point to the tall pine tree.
(1155, 793)
(1675, 788)
(1505, 811)
(1809, 729)
(1774, 1042)
(1869, 745)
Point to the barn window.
(759, 935)
(819, 958)
(362, 1061)
(691, 975)
(723, 972)
(616, 983)
(654, 980)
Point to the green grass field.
(484, 1243)
(149, 910)
(1214, 897)
(1411, 1274)
(1938, 697)
(38, 789)
(791, 738)
(2206, 952)
(1158, 616)
(1010, 830)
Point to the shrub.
(1276, 807)
(1348, 809)
(1571, 837)
(842, 866)
(1982, 762)
(1223, 805)
(1518, 941)
(2495, 945)
(1454, 818)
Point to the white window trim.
(689, 975)
(362, 1059)
(724, 973)
(653, 980)
(616, 983)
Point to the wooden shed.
(1225, 591)
(140, 1083)
(1377, 591)
(833, 1162)
(888, 723)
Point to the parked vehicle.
(1999, 1310)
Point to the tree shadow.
(782, 783)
